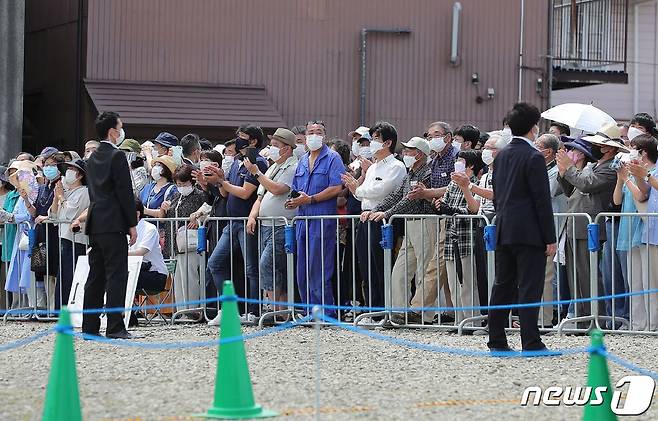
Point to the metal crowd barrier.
(335, 279)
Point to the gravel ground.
(361, 378)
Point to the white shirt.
(148, 238)
(75, 202)
(382, 178)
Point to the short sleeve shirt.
(237, 176)
(148, 238)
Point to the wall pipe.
(521, 52)
(364, 63)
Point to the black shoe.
(122, 334)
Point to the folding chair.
(145, 297)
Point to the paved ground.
(361, 378)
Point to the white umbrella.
(579, 116)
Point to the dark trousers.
(372, 272)
(518, 269)
(480, 254)
(151, 281)
(70, 252)
(108, 274)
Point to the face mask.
(505, 137)
(241, 143)
(299, 151)
(156, 172)
(356, 148)
(185, 190)
(314, 142)
(227, 162)
(365, 152)
(155, 153)
(487, 156)
(574, 155)
(122, 135)
(437, 144)
(596, 152)
(376, 146)
(460, 167)
(409, 161)
(275, 153)
(51, 172)
(204, 164)
(634, 132)
(458, 146)
(70, 177)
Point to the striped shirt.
(397, 203)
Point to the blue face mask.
(51, 172)
(241, 143)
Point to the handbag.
(186, 239)
(24, 242)
(38, 258)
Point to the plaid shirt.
(442, 167)
(397, 202)
(458, 229)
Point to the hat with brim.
(168, 162)
(167, 140)
(579, 145)
(285, 136)
(78, 164)
(608, 135)
(418, 143)
(22, 166)
(361, 130)
(131, 145)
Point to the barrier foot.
(597, 376)
(198, 311)
(272, 314)
(234, 396)
(592, 319)
(623, 321)
(386, 314)
(62, 395)
(460, 327)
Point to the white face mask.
(122, 136)
(376, 146)
(227, 162)
(487, 156)
(365, 152)
(156, 172)
(460, 167)
(635, 154)
(70, 177)
(204, 164)
(409, 161)
(437, 144)
(155, 153)
(299, 151)
(275, 153)
(314, 142)
(458, 145)
(356, 148)
(634, 132)
(506, 136)
(185, 190)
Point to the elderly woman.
(181, 238)
(460, 233)
(71, 200)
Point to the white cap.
(220, 148)
(418, 143)
(361, 130)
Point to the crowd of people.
(258, 182)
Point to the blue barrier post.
(490, 237)
(201, 243)
(32, 239)
(593, 237)
(289, 238)
(387, 237)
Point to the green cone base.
(237, 413)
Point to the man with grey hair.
(548, 144)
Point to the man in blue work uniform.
(318, 182)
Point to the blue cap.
(578, 144)
(48, 151)
(167, 140)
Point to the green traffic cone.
(598, 376)
(234, 396)
(62, 396)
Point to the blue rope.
(449, 350)
(336, 307)
(186, 345)
(25, 341)
(627, 364)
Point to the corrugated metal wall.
(306, 54)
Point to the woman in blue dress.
(161, 188)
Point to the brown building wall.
(306, 54)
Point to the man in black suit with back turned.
(525, 230)
(110, 217)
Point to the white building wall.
(621, 101)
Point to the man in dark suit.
(111, 216)
(525, 230)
